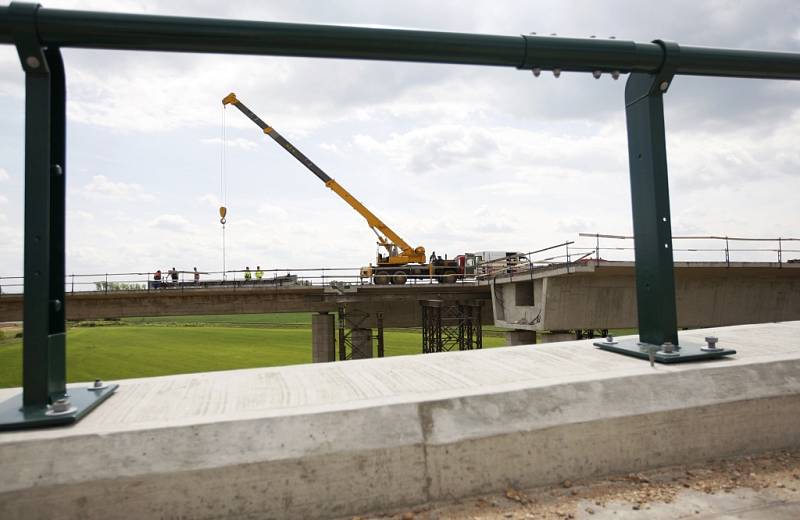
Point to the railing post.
(44, 369)
(780, 253)
(727, 253)
(44, 355)
(655, 279)
(597, 249)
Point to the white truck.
(486, 263)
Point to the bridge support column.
(362, 343)
(323, 347)
(520, 337)
(554, 336)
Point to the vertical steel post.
(342, 338)
(44, 371)
(43, 353)
(655, 282)
(379, 318)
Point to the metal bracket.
(26, 37)
(687, 351)
(643, 85)
(44, 400)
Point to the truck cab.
(487, 263)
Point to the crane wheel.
(399, 277)
(450, 277)
(381, 279)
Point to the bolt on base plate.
(686, 351)
(81, 401)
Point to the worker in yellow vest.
(259, 273)
(247, 275)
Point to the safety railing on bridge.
(231, 279)
(710, 248)
(524, 264)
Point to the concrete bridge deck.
(399, 304)
(586, 295)
(329, 440)
(602, 295)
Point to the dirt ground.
(753, 487)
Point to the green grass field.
(156, 346)
(144, 347)
(287, 319)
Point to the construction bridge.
(346, 439)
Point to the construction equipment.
(401, 261)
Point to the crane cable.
(223, 189)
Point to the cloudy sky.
(454, 158)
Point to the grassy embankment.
(143, 347)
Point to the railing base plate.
(688, 351)
(14, 417)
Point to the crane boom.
(387, 238)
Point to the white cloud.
(273, 212)
(236, 142)
(80, 214)
(3, 175)
(211, 200)
(3, 199)
(503, 151)
(101, 186)
(170, 222)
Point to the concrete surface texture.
(336, 439)
(764, 487)
(603, 296)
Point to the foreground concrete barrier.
(319, 441)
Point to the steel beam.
(120, 31)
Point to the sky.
(454, 158)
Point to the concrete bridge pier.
(520, 337)
(555, 336)
(323, 347)
(362, 343)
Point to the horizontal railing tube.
(98, 30)
(588, 54)
(86, 29)
(736, 63)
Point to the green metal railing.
(38, 34)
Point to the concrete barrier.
(328, 440)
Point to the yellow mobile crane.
(398, 263)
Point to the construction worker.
(196, 276)
(259, 273)
(247, 275)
